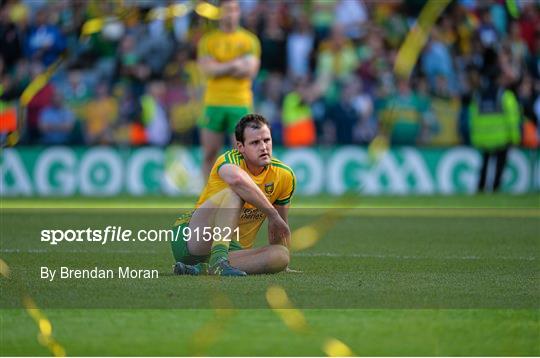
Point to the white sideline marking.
(409, 257)
(300, 254)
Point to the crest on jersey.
(269, 188)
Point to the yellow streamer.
(417, 37)
(279, 302)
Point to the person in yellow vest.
(495, 118)
(229, 57)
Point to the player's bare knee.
(279, 258)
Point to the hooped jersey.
(277, 182)
(224, 47)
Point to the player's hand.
(238, 67)
(279, 230)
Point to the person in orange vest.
(8, 116)
(298, 125)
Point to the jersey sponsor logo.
(269, 188)
(251, 214)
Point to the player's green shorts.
(181, 252)
(222, 118)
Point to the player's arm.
(214, 68)
(283, 211)
(247, 66)
(242, 184)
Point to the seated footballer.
(245, 186)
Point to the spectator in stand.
(76, 92)
(322, 15)
(533, 64)
(511, 68)
(352, 15)
(10, 40)
(273, 45)
(130, 67)
(101, 115)
(56, 122)
(366, 128)
(184, 94)
(437, 61)
(528, 24)
(498, 16)
(487, 33)
(300, 44)
(155, 46)
(154, 114)
(343, 114)
(336, 61)
(517, 45)
(298, 125)
(527, 97)
(402, 115)
(42, 99)
(103, 47)
(45, 41)
(269, 105)
(130, 128)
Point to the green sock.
(202, 267)
(219, 251)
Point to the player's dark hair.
(252, 120)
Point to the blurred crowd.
(136, 82)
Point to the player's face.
(257, 146)
(230, 14)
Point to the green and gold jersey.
(277, 182)
(224, 47)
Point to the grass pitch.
(400, 276)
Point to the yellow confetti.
(207, 10)
(378, 148)
(4, 269)
(277, 298)
(57, 350)
(92, 26)
(45, 327)
(279, 301)
(304, 238)
(336, 348)
(417, 37)
(211, 332)
(39, 82)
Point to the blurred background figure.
(298, 125)
(403, 115)
(154, 114)
(45, 41)
(495, 121)
(229, 57)
(56, 122)
(100, 116)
